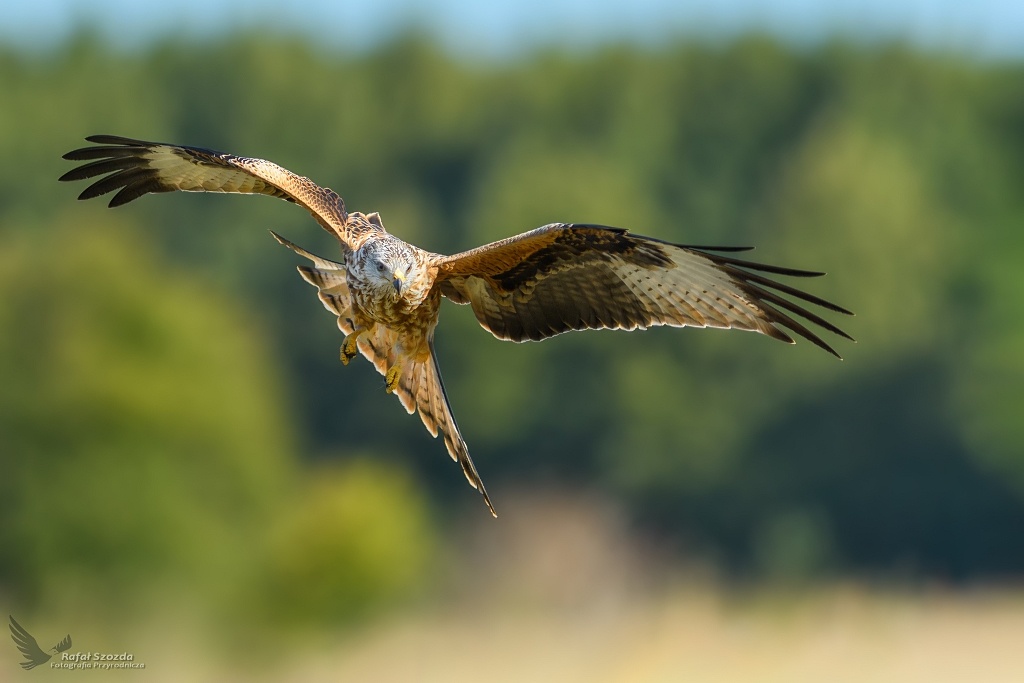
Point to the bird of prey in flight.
(387, 293)
(34, 655)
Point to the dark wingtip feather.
(690, 247)
(148, 183)
(126, 194)
(765, 298)
(729, 249)
(112, 182)
(101, 167)
(745, 276)
(765, 295)
(778, 270)
(101, 152)
(776, 333)
(115, 140)
(780, 318)
(817, 341)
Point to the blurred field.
(842, 635)
(569, 594)
(565, 594)
(845, 634)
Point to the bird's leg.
(395, 371)
(391, 379)
(349, 348)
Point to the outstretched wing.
(420, 388)
(565, 277)
(137, 167)
(64, 645)
(34, 656)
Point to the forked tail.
(421, 388)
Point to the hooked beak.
(399, 281)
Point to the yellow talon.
(391, 379)
(350, 348)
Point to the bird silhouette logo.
(34, 656)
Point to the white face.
(386, 268)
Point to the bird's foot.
(349, 348)
(392, 377)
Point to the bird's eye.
(380, 266)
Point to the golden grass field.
(838, 635)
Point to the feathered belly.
(399, 315)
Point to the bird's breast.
(386, 309)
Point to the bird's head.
(387, 264)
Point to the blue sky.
(501, 27)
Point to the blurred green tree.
(358, 539)
(145, 444)
(141, 428)
(897, 172)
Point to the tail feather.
(406, 391)
(453, 440)
(418, 394)
(376, 348)
(421, 389)
(329, 278)
(318, 261)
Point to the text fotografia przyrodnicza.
(97, 660)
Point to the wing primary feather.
(137, 189)
(696, 248)
(99, 152)
(780, 318)
(776, 333)
(786, 289)
(101, 167)
(778, 270)
(116, 140)
(114, 182)
(802, 312)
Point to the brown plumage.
(387, 293)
